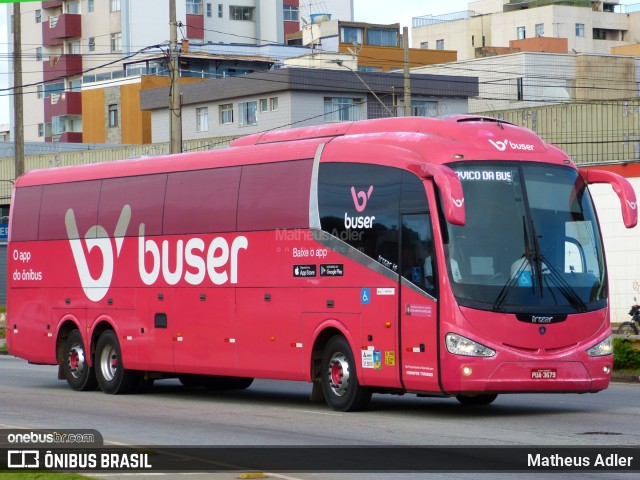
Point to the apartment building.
(589, 26)
(296, 97)
(68, 44)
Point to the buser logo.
(360, 200)
(502, 145)
(195, 261)
(96, 237)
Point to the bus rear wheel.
(112, 377)
(340, 385)
(77, 372)
(483, 399)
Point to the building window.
(74, 47)
(226, 113)
(246, 14)
(424, 45)
(424, 108)
(382, 37)
(274, 103)
(522, 34)
(116, 42)
(440, 44)
(599, 34)
(248, 113)
(579, 29)
(39, 54)
(92, 44)
(264, 105)
(202, 119)
(40, 89)
(341, 109)
(194, 7)
(38, 16)
(41, 129)
(209, 10)
(115, 5)
(520, 88)
(113, 116)
(73, 7)
(351, 35)
(220, 10)
(91, 6)
(539, 29)
(290, 13)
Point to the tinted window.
(144, 194)
(202, 201)
(81, 197)
(25, 214)
(360, 205)
(275, 195)
(414, 196)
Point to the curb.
(625, 377)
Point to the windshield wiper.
(525, 260)
(545, 270)
(563, 286)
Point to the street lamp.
(340, 63)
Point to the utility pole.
(18, 107)
(407, 72)
(175, 109)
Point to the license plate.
(544, 374)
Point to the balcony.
(52, 4)
(63, 104)
(61, 66)
(57, 29)
(66, 137)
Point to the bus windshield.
(531, 243)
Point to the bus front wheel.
(77, 372)
(112, 377)
(340, 385)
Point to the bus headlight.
(605, 347)
(459, 345)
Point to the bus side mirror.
(623, 189)
(451, 188)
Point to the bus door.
(418, 306)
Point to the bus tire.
(112, 377)
(77, 372)
(475, 400)
(339, 378)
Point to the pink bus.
(443, 257)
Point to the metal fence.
(590, 132)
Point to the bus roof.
(429, 140)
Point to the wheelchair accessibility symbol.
(365, 296)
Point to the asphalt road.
(280, 413)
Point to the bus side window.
(274, 195)
(143, 193)
(201, 201)
(57, 199)
(26, 214)
(418, 254)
